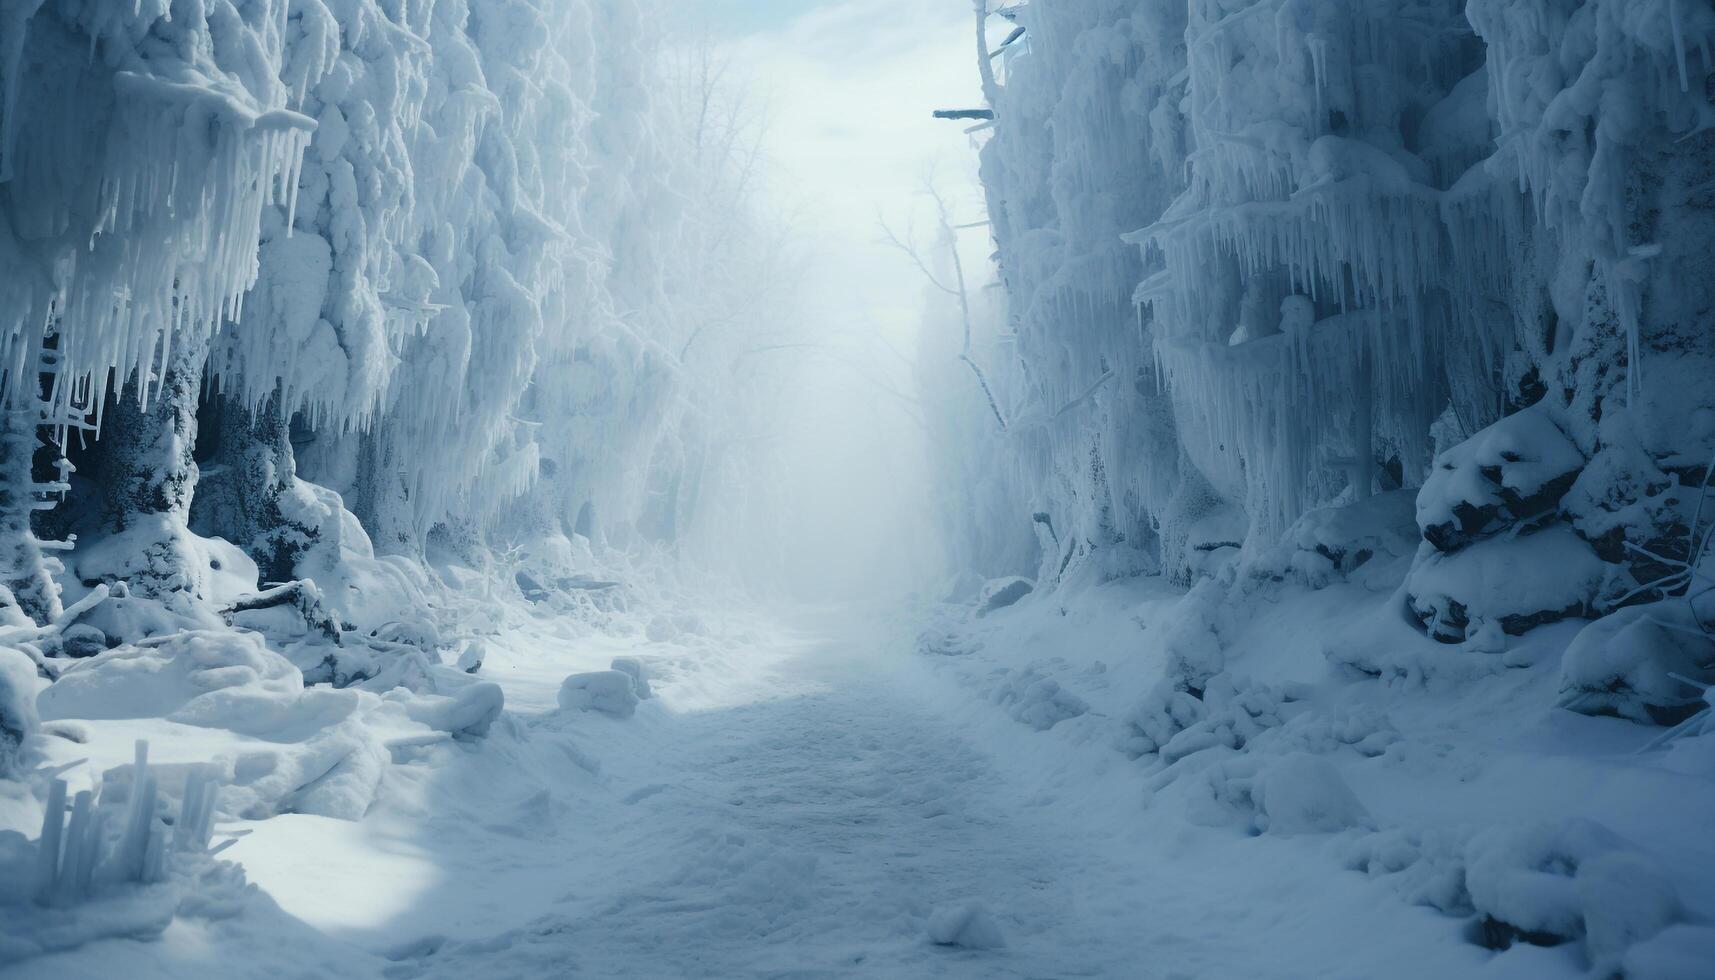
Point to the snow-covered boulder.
(1331, 543)
(1626, 664)
(82, 640)
(633, 667)
(999, 593)
(158, 679)
(17, 707)
(1516, 470)
(1547, 884)
(610, 692)
(1505, 585)
(469, 711)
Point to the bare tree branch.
(916, 258)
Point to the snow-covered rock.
(471, 657)
(468, 711)
(1639, 663)
(611, 692)
(1505, 585)
(1332, 543)
(1512, 472)
(1552, 883)
(999, 593)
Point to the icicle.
(79, 859)
(48, 846)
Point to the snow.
(611, 692)
(447, 528)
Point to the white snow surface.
(810, 793)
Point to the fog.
(843, 93)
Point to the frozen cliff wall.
(273, 263)
(1356, 235)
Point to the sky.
(849, 86)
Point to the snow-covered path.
(808, 823)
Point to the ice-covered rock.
(610, 692)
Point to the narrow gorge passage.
(814, 828)
(1036, 489)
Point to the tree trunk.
(149, 476)
(249, 499)
(23, 567)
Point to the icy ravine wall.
(440, 258)
(1364, 232)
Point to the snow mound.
(1639, 663)
(1034, 699)
(1230, 714)
(611, 692)
(130, 857)
(1679, 952)
(1548, 884)
(1330, 544)
(469, 711)
(967, 925)
(159, 678)
(1304, 794)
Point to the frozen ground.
(824, 794)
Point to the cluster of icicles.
(126, 842)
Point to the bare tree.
(949, 239)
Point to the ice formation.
(1369, 247)
(297, 294)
